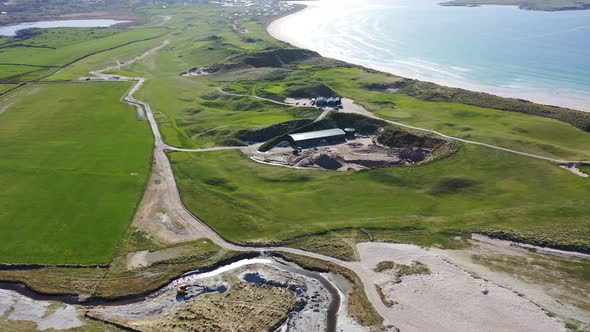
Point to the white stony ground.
(311, 318)
(20, 308)
(538, 279)
(450, 298)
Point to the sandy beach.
(288, 29)
(453, 297)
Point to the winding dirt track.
(162, 164)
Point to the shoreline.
(273, 29)
(521, 6)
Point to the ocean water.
(539, 56)
(11, 30)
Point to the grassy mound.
(251, 74)
(269, 58)
(279, 129)
(278, 57)
(396, 138)
(312, 90)
(267, 65)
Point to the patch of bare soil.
(147, 258)
(157, 215)
(572, 167)
(298, 101)
(46, 315)
(197, 71)
(353, 155)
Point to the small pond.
(11, 30)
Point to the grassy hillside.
(190, 110)
(192, 114)
(477, 189)
(74, 162)
(545, 5)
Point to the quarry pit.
(360, 153)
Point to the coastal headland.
(197, 226)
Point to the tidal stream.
(195, 276)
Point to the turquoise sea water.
(541, 56)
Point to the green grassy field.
(6, 87)
(74, 163)
(40, 54)
(105, 59)
(477, 189)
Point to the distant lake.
(540, 56)
(11, 30)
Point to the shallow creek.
(206, 282)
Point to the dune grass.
(74, 163)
